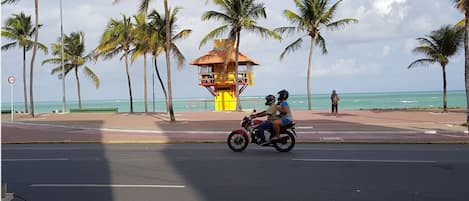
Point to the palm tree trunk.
(161, 83)
(25, 90)
(445, 108)
(128, 80)
(78, 86)
(308, 76)
(466, 63)
(168, 61)
(145, 81)
(238, 101)
(36, 35)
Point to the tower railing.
(211, 78)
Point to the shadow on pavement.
(43, 171)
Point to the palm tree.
(158, 29)
(19, 29)
(141, 27)
(438, 47)
(167, 50)
(144, 4)
(74, 56)
(117, 38)
(313, 16)
(237, 15)
(463, 6)
(141, 43)
(35, 46)
(158, 33)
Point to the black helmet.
(269, 99)
(283, 94)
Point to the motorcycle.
(238, 140)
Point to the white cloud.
(386, 50)
(345, 67)
(384, 7)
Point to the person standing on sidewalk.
(335, 103)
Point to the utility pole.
(64, 106)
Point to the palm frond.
(9, 46)
(421, 62)
(92, 76)
(340, 24)
(264, 32)
(217, 32)
(178, 56)
(293, 17)
(328, 15)
(181, 35)
(292, 47)
(10, 34)
(427, 42)
(321, 42)
(52, 61)
(58, 70)
(9, 1)
(461, 23)
(216, 15)
(143, 7)
(285, 30)
(43, 48)
(426, 50)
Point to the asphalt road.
(147, 172)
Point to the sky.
(370, 56)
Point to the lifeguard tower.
(217, 74)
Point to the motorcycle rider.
(286, 117)
(271, 113)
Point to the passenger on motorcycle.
(285, 114)
(271, 113)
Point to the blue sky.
(371, 56)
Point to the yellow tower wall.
(225, 100)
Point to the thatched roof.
(218, 57)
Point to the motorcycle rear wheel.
(286, 143)
(237, 142)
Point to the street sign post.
(11, 81)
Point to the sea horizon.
(320, 101)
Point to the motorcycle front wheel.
(237, 142)
(286, 143)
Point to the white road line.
(34, 159)
(360, 160)
(106, 186)
(304, 127)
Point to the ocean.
(348, 101)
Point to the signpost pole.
(11, 101)
(11, 81)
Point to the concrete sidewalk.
(351, 126)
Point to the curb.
(407, 131)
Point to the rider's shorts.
(285, 121)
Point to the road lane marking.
(339, 139)
(106, 186)
(362, 160)
(34, 159)
(304, 127)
